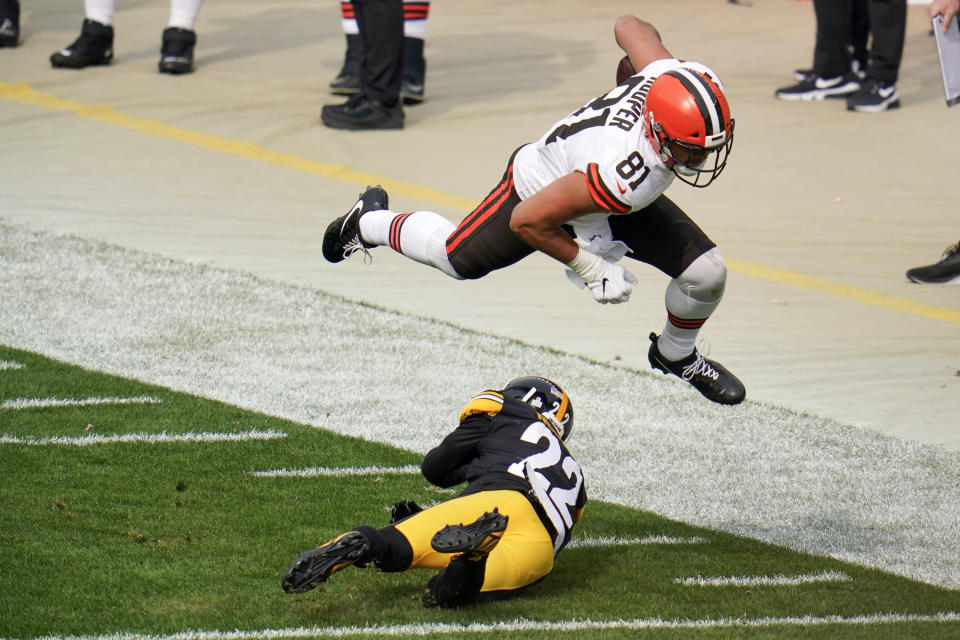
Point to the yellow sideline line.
(865, 296)
(25, 94)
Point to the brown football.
(624, 69)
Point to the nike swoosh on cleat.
(356, 209)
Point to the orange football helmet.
(687, 120)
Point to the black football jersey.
(503, 443)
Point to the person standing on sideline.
(525, 492)
(377, 103)
(876, 91)
(415, 14)
(947, 270)
(590, 192)
(95, 44)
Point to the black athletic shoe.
(342, 238)
(9, 23)
(813, 87)
(361, 113)
(947, 271)
(347, 81)
(707, 376)
(176, 53)
(316, 566)
(477, 538)
(94, 46)
(873, 97)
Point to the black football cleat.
(361, 113)
(707, 376)
(93, 47)
(176, 51)
(317, 565)
(477, 538)
(342, 238)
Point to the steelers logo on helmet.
(547, 398)
(688, 122)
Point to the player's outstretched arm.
(640, 40)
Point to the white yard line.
(764, 581)
(311, 472)
(561, 626)
(33, 403)
(611, 541)
(152, 438)
(6, 365)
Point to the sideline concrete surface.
(819, 212)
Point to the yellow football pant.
(523, 555)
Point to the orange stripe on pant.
(523, 555)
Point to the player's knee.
(704, 280)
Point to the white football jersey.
(604, 139)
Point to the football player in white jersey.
(590, 192)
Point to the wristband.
(587, 265)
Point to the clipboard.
(948, 49)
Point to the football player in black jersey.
(523, 496)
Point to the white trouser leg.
(690, 299)
(420, 236)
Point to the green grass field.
(164, 534)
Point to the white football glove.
(609, 282)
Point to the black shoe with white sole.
(814, 87)
(707, 376)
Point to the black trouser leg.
(381, 32)
(830, 55)
(888, 23)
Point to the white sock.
(99, 10)
(183, 13)
(415, 18)
(420, 236)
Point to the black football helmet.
(547, 398)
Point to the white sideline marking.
(605, 541)
(31, 403)
(10, 364)
(336, 471)
(764, 581)
(163, 436)
(526, 625)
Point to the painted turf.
(34, 403)
(149, 438)
(644, 441)
(636, 624)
